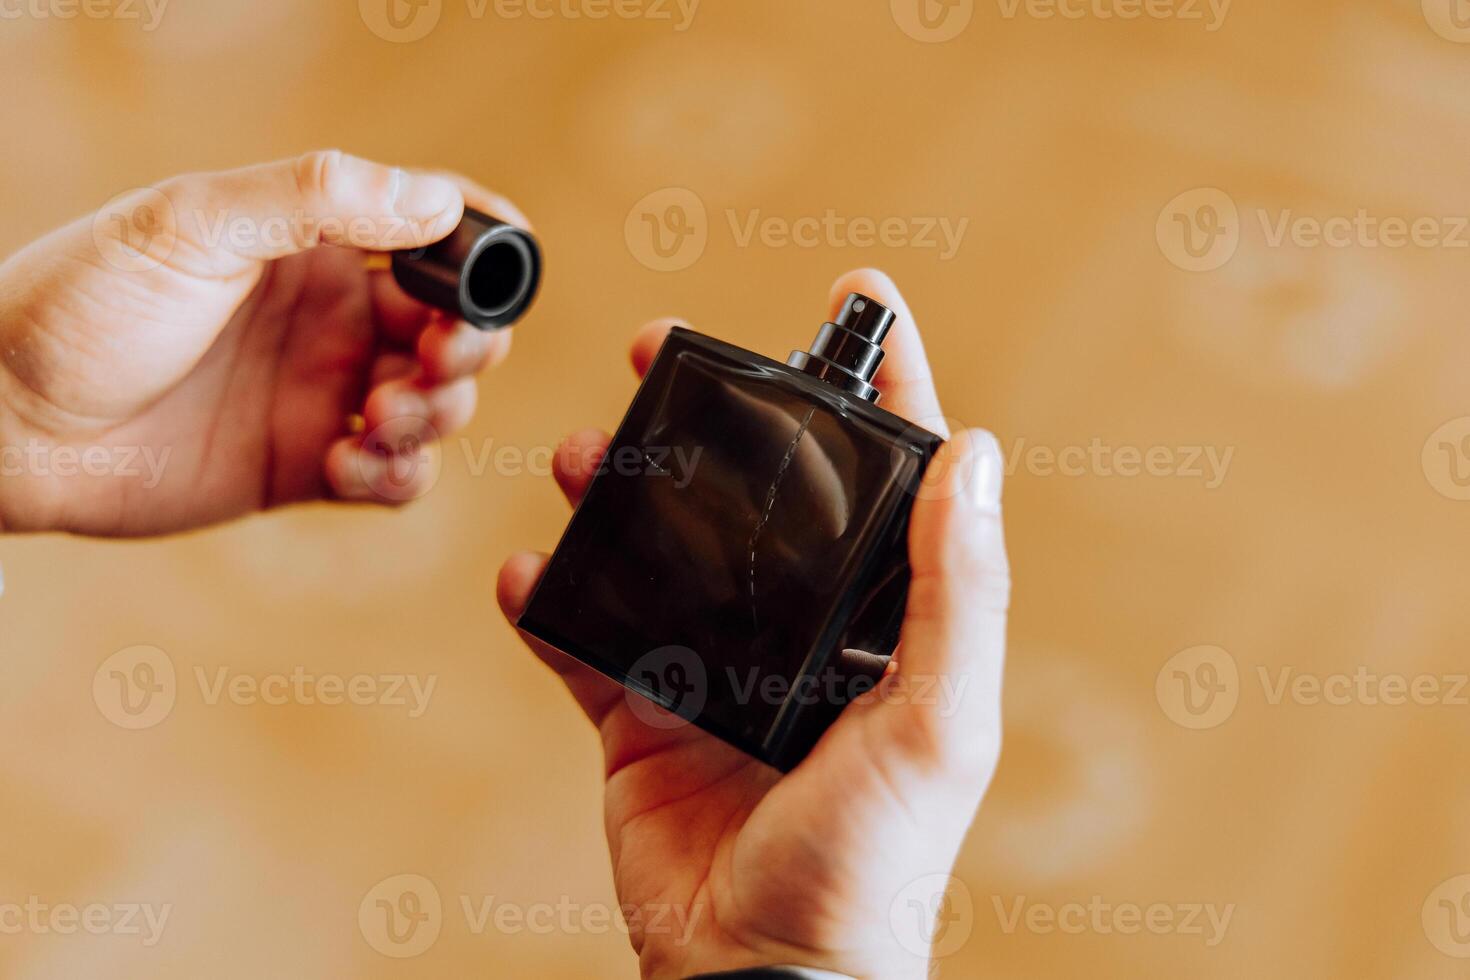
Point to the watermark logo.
(401, 916)
(932, 21)
(1446, 917)
(404, 915)
(135, 688)
(136, 231)
(138, 688)
(1199, 230)
(405, 21)
(399, 461)
(1450, 19)
(966, 470)
(1446, 459)
(401, 21)
(667, 230)
(411, 692)
(1199, 687)
(675, 678)
(933, 916)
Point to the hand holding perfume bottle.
(841, 863)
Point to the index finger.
(485, 200)
(904, 377)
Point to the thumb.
(221, 222)
(952, 650)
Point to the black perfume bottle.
(740, 558)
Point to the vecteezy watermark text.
(833, 230)
(669, 229)
(1200, 230)
(303, 687)
(403, 915)
(675, 463)
(1099, 916)
(937, 21)
(149, 13)
(36, 458)
(484, 913)
(406, 21)
(677, 680)
(1201, 686)
(679, 13)
(38, 918)
(137, 688)
(1208, 464)
(1210, 13)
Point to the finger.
(904, 377)
(400, 318)
(449, 349)
(954, 629)
(411, 409)
(391, 366)
(482, 199)
(577, 461)
(649, 338)
(358, 474)
(595, 693)
(326, 197)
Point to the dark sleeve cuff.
(774, 973)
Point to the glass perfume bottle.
(740, 558)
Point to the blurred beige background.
(1332, 543)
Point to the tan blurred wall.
(1332, 544)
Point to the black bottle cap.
(486, 271)
(848, 350)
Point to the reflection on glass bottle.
(752, 515)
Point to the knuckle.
(317, 173)
(977, 560)
(988, 588)
(973, 574)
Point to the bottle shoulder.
(682, 340)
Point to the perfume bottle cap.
(848, 350)
(486, 271)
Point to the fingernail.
(425, 195)
(988, 471)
